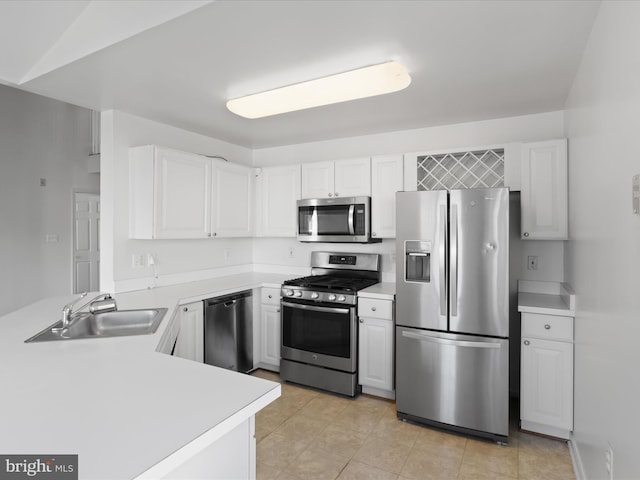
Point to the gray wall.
(39, 138)
(603, 254)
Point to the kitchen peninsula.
(127, 410)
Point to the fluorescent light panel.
(364, 82)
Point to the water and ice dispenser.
(417, 258)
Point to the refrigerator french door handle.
(454, 261)
(443, 259)
(445, 341)
(352, 230)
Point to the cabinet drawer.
(373, 308)
(270, 296)
(547, 327)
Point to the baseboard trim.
(578, 469)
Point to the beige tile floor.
(311, 435)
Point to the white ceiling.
(178, 62)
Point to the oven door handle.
(314, 308)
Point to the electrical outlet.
(532, 262)
(138, 260)
(608, 456)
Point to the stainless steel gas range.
(319, 321)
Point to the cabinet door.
(544, 196)
(190, 342)
(278, 192)
(232, 200)
(352, 177)
(182, 195)
(386, 179)
(547, 383)
(375, 362)
(317, 180)
(270, 335)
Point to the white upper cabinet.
(317, 180)
(232, 200)
(176, 195)
(278, 190)
(386, 179)
(352, 177)
(170, 193)
(544, 196)
(342, 178)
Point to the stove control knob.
(314, 295)
(342, 298)
(289, 293)
(332, 298)
(298, 293)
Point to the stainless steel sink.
(103, 325)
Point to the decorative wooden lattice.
(479, 169)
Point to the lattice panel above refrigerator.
(479, 169)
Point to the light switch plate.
(635, 191)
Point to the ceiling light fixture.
(364, 82)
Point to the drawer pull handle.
(185, 309)
(362, 320)
(269, 296)
(526, 342)
(547, 327)
(373, 309)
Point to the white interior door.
(86, 247)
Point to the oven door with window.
(325, 336)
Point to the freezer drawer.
(454, 381)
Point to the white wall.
(603, 255)
(490, 132)
(39, 138)
(176, 260)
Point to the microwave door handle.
(352, 209)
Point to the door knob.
(547, 327)
(526, 342)
(525, 234)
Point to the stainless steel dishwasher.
(228, 331)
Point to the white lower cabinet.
(190, 341)
(546, 390)
(375, 347)
(270, 335)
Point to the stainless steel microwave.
(345, 220)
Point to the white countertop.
(116, 402)
(547, 298)
(383, 291)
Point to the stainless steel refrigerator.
(452, 310)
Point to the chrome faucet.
(68, 311)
